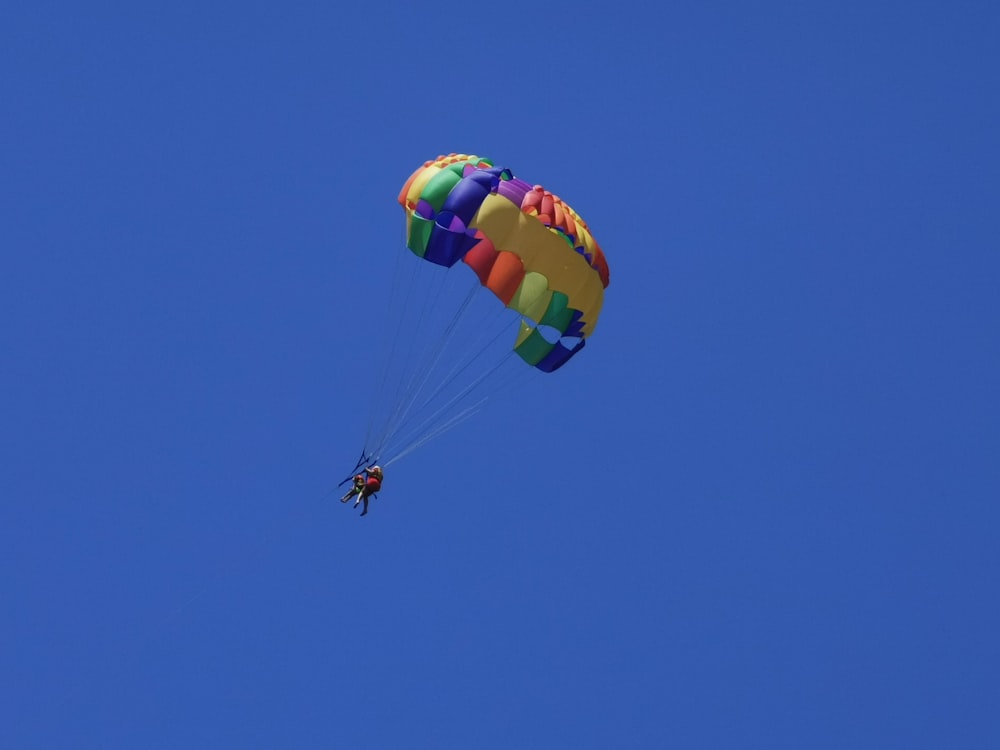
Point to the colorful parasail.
(526, 245)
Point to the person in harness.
(365, 485)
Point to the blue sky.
(760, 510)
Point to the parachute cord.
(399, 315)
(483, 333)
(514, 383)
(518, 381)
(462, 366)
(450, 424)
(418, 406)
(416, 425)
(407, 373)
(435, 353)
(474, 345)
(425, 370)
(389, 345)
(428, 425)
(458, 370)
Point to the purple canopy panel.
(424, 209)
(560, 355)
(467, 196)
(446, 248)
(514, 190)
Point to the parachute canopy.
(526, 245)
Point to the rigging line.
(515, 382)
(518, 382)
(427, 371)
(422, 344)
(480, 333)
(434, 350)
(484, 335)
(457, 371)
(401, 425)
(401, 445)
(420, 292)
(418, 442)
(389, 348)
(399, 315)
(459, 329)
(432, 402)
(451, 424)
(428, 423)
(406, 370)
(408, 446)
(508, 384)
(472, 347)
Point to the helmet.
(377, 470)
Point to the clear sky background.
(759, 511)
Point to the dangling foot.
(364, 512)
(357, 502)
(347, 497)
